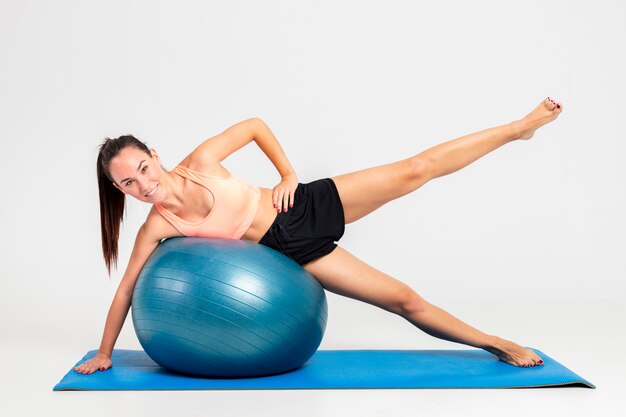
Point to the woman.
(201, 198)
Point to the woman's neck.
(174, 192)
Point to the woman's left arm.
(219, 147)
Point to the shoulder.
(196, 162)
(157, 228)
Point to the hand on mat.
(98, 362)
(284, 192)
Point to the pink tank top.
(235, 203)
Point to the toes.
(553, 105)
(532, 363)
(550, 104)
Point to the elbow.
(125, 293)
(258, 128)
(258, 123)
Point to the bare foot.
(547, 111)
(514, 354)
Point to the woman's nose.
(144, 187)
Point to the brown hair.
(112, 199)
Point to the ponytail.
(112, 199)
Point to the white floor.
(584, 336)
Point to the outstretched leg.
(344, 274)
(364, 191)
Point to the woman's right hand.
(98, 362)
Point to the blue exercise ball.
(227, 308)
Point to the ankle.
(517, 129)
(492, 343)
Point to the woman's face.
(138, 174)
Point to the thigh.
(366, 190)
(343, 273)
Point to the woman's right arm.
(145, 243)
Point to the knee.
(419, 168)
(408, 302)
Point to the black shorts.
(311, 227)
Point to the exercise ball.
(227, 308)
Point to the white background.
(527, 243)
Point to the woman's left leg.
(364, 191)
(344, 274)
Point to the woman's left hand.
(284, 192)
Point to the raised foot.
(514, 354)
(547, 111)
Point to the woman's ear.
(117, 186)
(156, 156)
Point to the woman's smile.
(153, 191)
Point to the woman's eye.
(128, 183)
(144, 169)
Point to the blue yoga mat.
(338, 369)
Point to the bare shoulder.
(197, 162)
(157, 228)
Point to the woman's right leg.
(344, 274)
